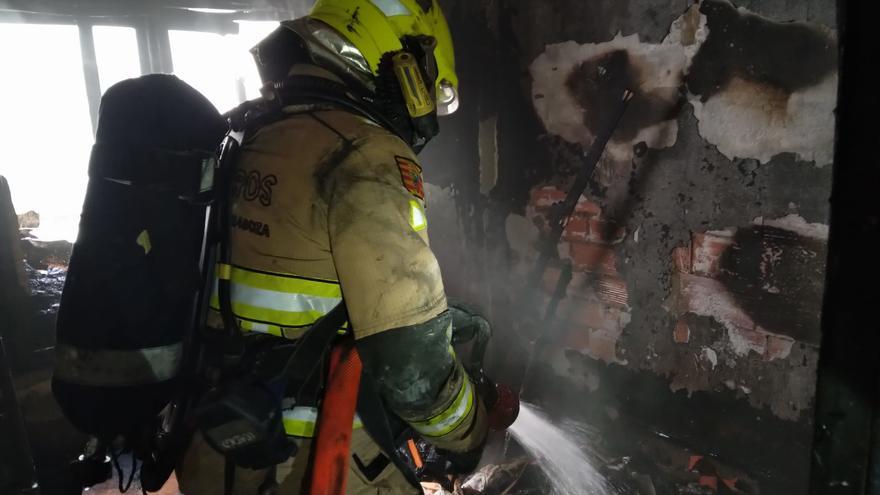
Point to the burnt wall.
(698, 250)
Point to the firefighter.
(328, 203)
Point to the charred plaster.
(778, 58)
(812, 11)
(761, 87)
(661, 192)
(770, 268)
(597, 83)
(695, 190)
(575, 86)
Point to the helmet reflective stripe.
(450, 419)
(268, 303)
(391, 7)
(301, 421)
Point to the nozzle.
(504, 411)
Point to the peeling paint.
(798, 225)
(753, 120)
(710, 355)
(778, 348)
(761, 88)
(743, 342)
(745, 105)
(569, 95)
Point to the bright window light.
(48, 135)
(220, 67)
(46, 132)
(116, 49)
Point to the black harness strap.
(374, 417)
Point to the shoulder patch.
(411, 174)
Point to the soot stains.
(741, 45)
(598, 83)
(768, 269)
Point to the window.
(116, 50)
(220, 67)
(47, 135)
(47, 132)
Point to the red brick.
(547, 196)
(693, 461)
(682, 333)
(709, 482)
(613, 290)
(587, 207)
(778, 347)
(707, 251)
(681, 256)
(605, 232)
(577, 229)
(593, 258)
(730, 483)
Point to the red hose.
(332, 446)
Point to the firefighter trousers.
(201, 471)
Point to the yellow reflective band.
(450, 419)
(224, 272)
(285, 283)
(417, 218)
(270, 303)
(302, 421)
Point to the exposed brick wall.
(597, 300)
(697, 251)
(594, 313)
(699, 289)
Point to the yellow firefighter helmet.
(376, 27)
